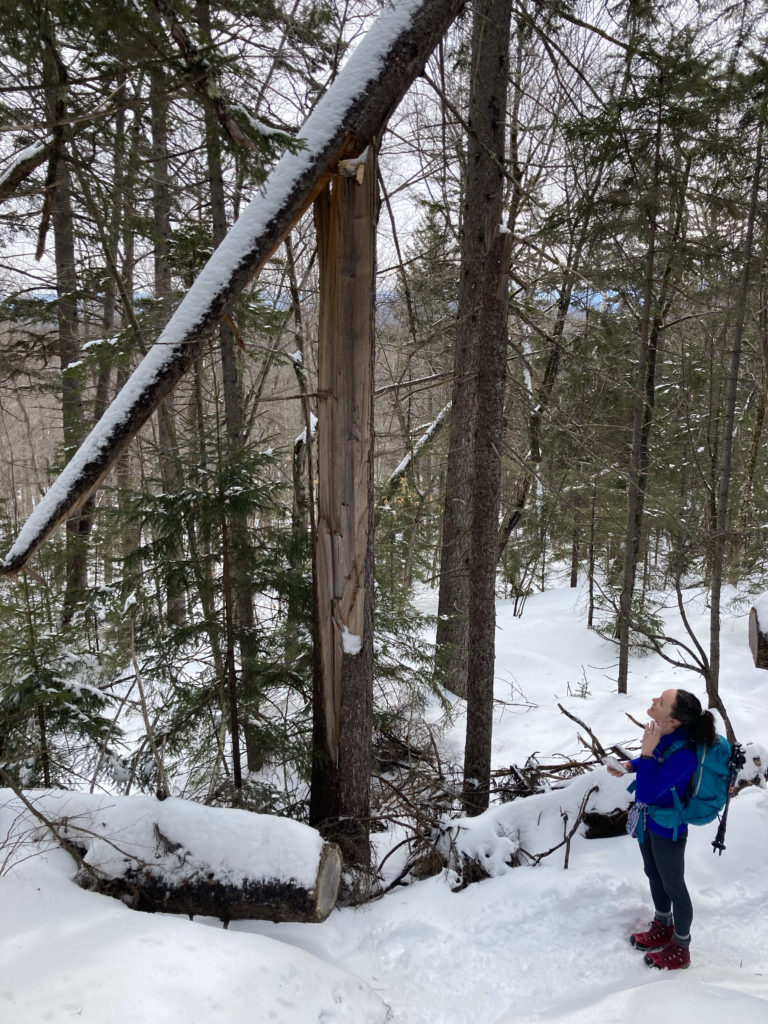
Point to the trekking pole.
(736, 762)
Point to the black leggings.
(664, 863)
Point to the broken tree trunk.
(351, 114)
(345, 217)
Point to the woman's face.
(661, 711)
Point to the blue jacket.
(656, 777)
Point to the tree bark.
(644, 383)
(483, 300)
(170, 469)
(758, 636)
(58, 206)
(237, 527)
(719, 538)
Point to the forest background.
(175, 612)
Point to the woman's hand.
(618, 775)
(651, 737)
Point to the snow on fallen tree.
(530, 828)
(180, 857)
(349, 116)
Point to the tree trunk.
(746, 502)
(343, 553)
(483, 299)
(58, 206)
(724, 482)
(170, 470)
(237, 531)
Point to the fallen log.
(199, 893)
(605, 824)
(179, 857)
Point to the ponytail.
(697, 721)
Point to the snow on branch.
(23, 164)
(425, 438)
(350, 115)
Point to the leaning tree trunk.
(483, 300)
(345, 216)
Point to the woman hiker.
(677, 718)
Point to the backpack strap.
(677, 745)
(677, 808)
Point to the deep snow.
(533, 944)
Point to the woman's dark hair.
(697, 722)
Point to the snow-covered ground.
(533, 944)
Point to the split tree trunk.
(345, 216)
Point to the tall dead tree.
(345, 218)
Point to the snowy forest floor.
(534, 944)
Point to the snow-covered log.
(201, 894)
(758, 632)
(180, 857)
(350, 115)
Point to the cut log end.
(758, 639)
(328, 881)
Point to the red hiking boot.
(671, 958)
(658, 935)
